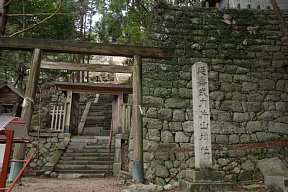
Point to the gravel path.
(37, 184)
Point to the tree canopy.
(103, 21)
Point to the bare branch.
(35, 14)
(40, 22)
(8, 3)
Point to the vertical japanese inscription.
(201, 115)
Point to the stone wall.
(246, 53)
(49, 145)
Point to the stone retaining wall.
(49, 143)
(246, 53)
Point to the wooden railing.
(58, 118)
(126, 117)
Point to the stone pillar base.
(204, 180)
(186, 186)
(203, 175)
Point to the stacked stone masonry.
(47, 144)
(247, 56)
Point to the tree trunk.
(4, 5)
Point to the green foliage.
(14, 65)
(60, 26)
(123, 21)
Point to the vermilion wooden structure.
(12, 129)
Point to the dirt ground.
(38, 184)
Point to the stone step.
(76, 162)
(82, 167)
(101, 108)
(104, 172)
(79, 175)
(79, 146)
(104, 133)
(94, 128)
(83, 144)
(206, 186)
(95, 118)
(93, 146)
(89, 150)
(102, 154)
(88, 158)
(90, 138)
(95, 113)
(95, 123)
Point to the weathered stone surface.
(210, 186)
(233, 139)
(222, 139)
(188, 126)
(165, 114)
(223, 161)
(227, 87)
(152, 113)
(254, 126)
(229, 105)
(175, 126)
(245, 175)
(263, 136)
(181, 137)
(167, 136)
(217, 95)
(248, 165)
(154, 134)
(154, 124)
(185, 93)
(178, 115)
(161, 171)
(267, 115)
(248, 86)
(272, 167)
(275, 127)
(241, 117)
(245, 138)
(162, 92)
(177, 103)
(151, 101)
(254, 106)
(48, 145)
(225, 77)
(281, 106)
(161, 155)
(142, 187)
(267, 84)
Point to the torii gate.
(59, 46)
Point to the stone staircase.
(98, 120)
(87, 156)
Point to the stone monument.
(201, 116)
(203, 178)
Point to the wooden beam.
(86, 67)
(113, 89)
(78, 47)
(84, 117)
(30, 93)
(27, 111)
(68, 110)
(138, 170)
(119, 109)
